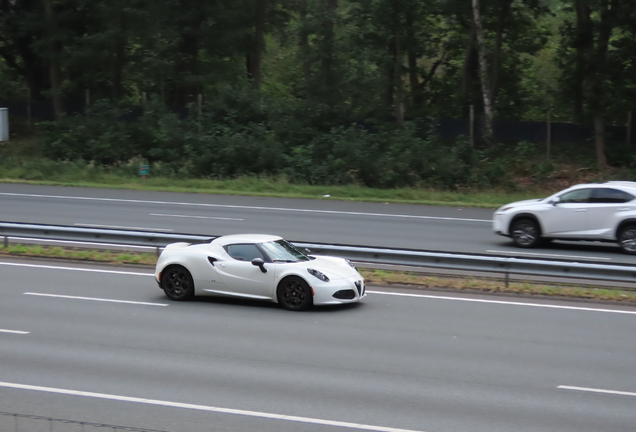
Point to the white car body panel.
(591, 220)
(231, 277)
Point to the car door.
(242, 277)
(568, 216)
(605, 205)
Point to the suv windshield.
(283, 251)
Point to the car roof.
(615, 184)
(245, 238)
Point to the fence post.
(549, 135)
(628, 132)
(471, 125)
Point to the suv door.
(603, 212)
(568, 216)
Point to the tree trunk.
(54, 50)
(258, 44)
(496, 62)
(483, 72)
(417, 97)
(304, 48)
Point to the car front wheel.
(525, 233)
(177, 283)
(627, 239)
(294, 294)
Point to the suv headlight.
(318, 274)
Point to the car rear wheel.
(177, 283)
(294, 294)
(525, 233)
(627, 239)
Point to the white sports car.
(257, 266)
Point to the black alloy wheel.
(627, 239)
(294, 294)
(177, 283)
(525, 233)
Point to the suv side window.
(576, 196)
(607, 195)
(244, 252)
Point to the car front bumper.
(341, 291)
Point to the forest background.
(319, 92)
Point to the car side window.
(607, 195)
(244, 252)
(576, 196)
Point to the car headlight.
(318, 274)
(350, 263)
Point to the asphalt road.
(102, 344)
(448, 229)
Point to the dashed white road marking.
(195, 217)
(89, 270)
(14, 331)
(94, 299)
(594, 390)
(207, 408)
(121, 227)
(281, 209)
(549, 255)
(539, 305)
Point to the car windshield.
(283, 251)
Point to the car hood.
(521, 203)
(335, 268)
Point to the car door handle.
(580, 210)
(624, 209)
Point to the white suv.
(596, 211)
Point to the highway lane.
(123, 354)
(449, 229)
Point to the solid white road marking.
(75, 269)
(370, 292)
(205, 408)
(593, 390)
(14, 331)
(549, 255)
(195, 217)
(283, 209)
(539, 305)
(94, 299)
(120, 227)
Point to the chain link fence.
(13, 422)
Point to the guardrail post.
(507, 279)
(6, 241)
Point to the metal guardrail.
(32, 423)
(439, 260)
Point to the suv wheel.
(627, 239)
(525, 233)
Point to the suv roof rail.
(622, 183)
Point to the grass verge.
(373, 277)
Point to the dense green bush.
(239, 134)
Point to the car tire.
(294, 294)
(177, 283)
(627, 239)
(525, 233)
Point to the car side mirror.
(555, 201)
(258, 262)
